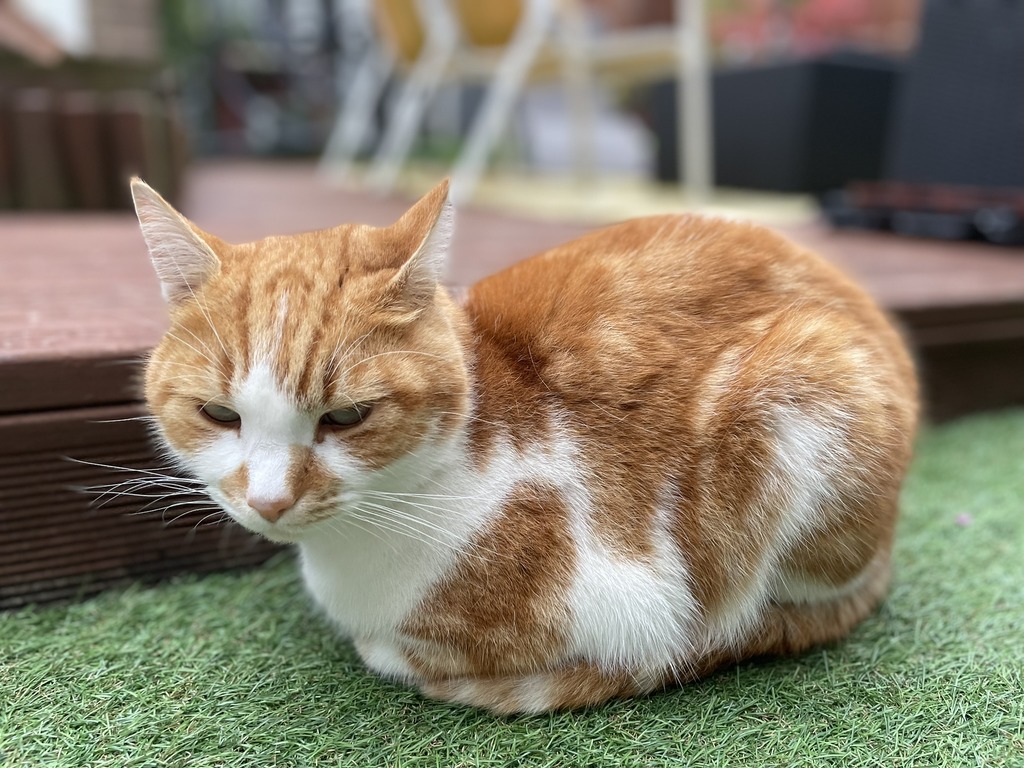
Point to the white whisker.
(412, 526)
(471, 417)
(185, 513)
(404, 523)
(200, 341)
(347, 353)
(354, 521)
(383, 354)
(218, 519)
(206, 357)
(146, 418)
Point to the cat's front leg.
(579, 685)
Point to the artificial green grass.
(239, 670)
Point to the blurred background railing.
(545, 85)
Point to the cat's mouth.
(295, 525)
(283, 531)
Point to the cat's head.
(300, 373)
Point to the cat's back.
(725, 400)
(714, 271)
(632, 301)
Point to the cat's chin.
(277, 533)
(281, 537)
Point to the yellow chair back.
(485, 23)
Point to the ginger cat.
(667, 446)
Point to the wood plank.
(55, 540)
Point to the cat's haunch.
(669, 445)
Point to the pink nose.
(271, 509)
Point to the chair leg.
(696, 142)
(501, 96)
(355, 117)
(442, 118)
(578, 81)
(416, 94)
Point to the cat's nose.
(270, 508)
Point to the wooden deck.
(79, 306)
(78, 295)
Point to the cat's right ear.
(182, 258)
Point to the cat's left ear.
(429, 224)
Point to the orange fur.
(676, 397)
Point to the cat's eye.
(346, 417)
(220, 414)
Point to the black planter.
(803, 126)
(955, 168)
(960, 118)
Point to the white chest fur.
(371, 566)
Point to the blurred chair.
(504, 44)
(360, 97)
(427, 42)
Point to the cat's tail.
(571, 687)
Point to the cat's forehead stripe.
(291, 300)
(267, 332)
(320, 339)
(284, 327)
